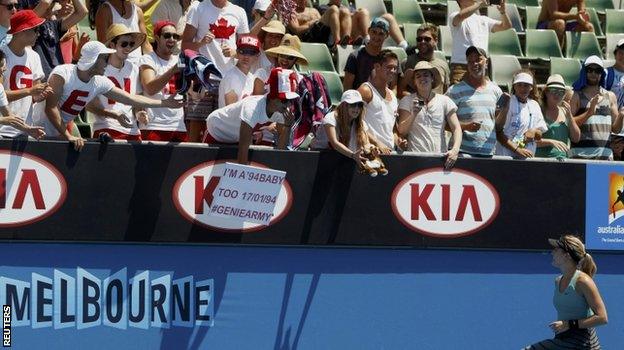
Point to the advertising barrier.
(157, 296)
(165, 192)
(605, 207)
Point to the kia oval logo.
(30, 189)
(445, 204)
(193, 194)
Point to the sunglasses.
(557, 92)
(288, 58)
(125, 44)
(594, 70)
(356, 105)
(247, 52)
(10, 7)
(175, 36)
(426, 39)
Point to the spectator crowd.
(128, 77)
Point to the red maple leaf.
(221, 29)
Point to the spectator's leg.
(558, 26)
(584, 27)
(361, 21)
(395, 31)
(344, 16)
(331, 19)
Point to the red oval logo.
(445, 204)
(193, 193)
(30, 189)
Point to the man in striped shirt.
(476, 97)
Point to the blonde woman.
(578, 302)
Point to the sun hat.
(118, 29)
(424, 65)
(275, 27)
(476, 49)
(593, 59)
(90, 52)
(158, 26)
(23, 20)
(563, 244)
(282, 84)
(380, 23)
(555, 81)
(290, 46)
(351, 97)
(523, 77)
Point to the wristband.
(573, 324)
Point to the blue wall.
(328, 298)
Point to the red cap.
(248, 41)
(282, 84)
(160, 25)
(23, 20)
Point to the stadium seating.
(599, 5)
(503, 69)
(541, 44)
(407, 11)
(569, 68)
(531, 16)
(445, 40)
(334, 85)
(505, 42)
(522, 4)
(512, 12)
(614, 21)
(375, 7)
(319, 58)
(612, 40)
(342, 53)
(409, 32)
(582, 45)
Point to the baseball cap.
(380, 23)
(90, 52)
(523, 77)
(282, 84)
(23, 20)
(158, 26)
(248, 42)
(351, 97)
(593, 59)
(476, 49)
(620, 45)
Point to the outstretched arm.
(123, 97)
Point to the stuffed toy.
(373, 165)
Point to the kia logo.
(30, 189)
(445, 204)
(193, 193)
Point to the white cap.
(351, 97)
(523, 78)
(594, 60)
(90, 52)
(261, 5)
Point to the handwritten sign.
(247, 193)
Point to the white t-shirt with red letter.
(76, 94)
(127, 79)
(21, 72)
(226, 22)
(164, 119)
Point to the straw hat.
(275, 27)
(424, 65)
(117, 29)
(290, 46)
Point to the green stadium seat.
(512, 12)
(531, 16)
(599, 5)
(445, 40)
(376, 8)
(399, 51)
(452, 6)
(522, 4)
(342, 53)
(569, 68)
(503, 69)
(409, 32)
(319, 58)
(407, 11)
(612, 40)
(614, 21)
(541, 44)
(334, 85)
(83, 27)
(582, 45)
(505, 42)
(439, 54)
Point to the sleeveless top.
(380, 117)
(570, 305)
(556, 131)
(595, 132)
(132, 23)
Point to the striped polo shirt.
(595, 132)
(476, 106)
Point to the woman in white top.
(424, 114)
(104, 13)
(521, 122)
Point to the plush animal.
(373, 164)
